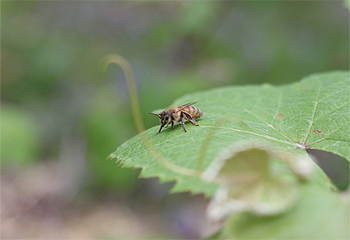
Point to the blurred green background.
(61, 116)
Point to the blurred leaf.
(312, 113)
(319, 214)
(214, 236)
(347, 3)
(198, 16)
(19, 136)
(105, 128)
(255, 178)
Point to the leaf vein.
(253, 133)
(313, 114)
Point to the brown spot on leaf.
(280, 116)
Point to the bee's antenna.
(154, 114)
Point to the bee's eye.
(164, 119)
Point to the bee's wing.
(185, 105)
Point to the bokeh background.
(61, 116)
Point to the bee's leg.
(172, 125)
(190, 119)
(183, 124)
(160, 129)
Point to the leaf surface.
(257, 179)
(318, 215)
(312, 113)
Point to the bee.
(179, 114)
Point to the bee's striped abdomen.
(193, 111)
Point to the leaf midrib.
(312, 115)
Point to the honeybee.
(179, 114)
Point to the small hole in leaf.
(336, 167)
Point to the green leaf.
(19, 136)
(319, 214)
(313, 113)
(255, 178)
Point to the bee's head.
(163, 117)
